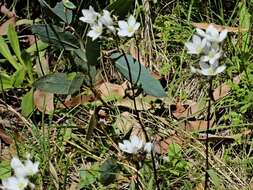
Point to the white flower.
(15, 163)
(212, 34)
(196, 46)
(106, 20)
(31, 168)
(18, 167)
(89, 15)
(24, 170)
(211, 56)
(209, 70)
(96, 31)
(15, 183)
(148, 147)
(133, 146)
(128, 28)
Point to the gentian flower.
(89, 15)
(96, 31)
(212, 34)
(15, 183)
(196, 46)
(128, 28)
(106, 20)
(133, 146)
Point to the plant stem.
(138, 114)
(207, 132)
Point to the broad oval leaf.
(59, 10)
(53, 35)
(59, 83)
(138, 72)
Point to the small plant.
(209, 49)
(22, 171)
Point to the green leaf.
(53, 35)
(68, 4)
(216, 180)
(92, 51)
(88, 177)
(108, 171)
(18, 77)
(59, 83)
(27, 59)
(27, 105)
(63, 14)
(245, 22)
(120, 7)
(150, 85)
(5, 81)
(39, 47)
(88, 70)
(13, 38)
(4, 50)
(174, 151)
(76, 83)
(5, 170)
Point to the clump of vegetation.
(104, 95)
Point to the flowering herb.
(206, 44)
(135, 145)
(97, 21)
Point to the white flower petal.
(196, 39)
(15, 162)
(200, 32)
(223, 35)
(220, 69)
(136, 26)
(15, 183)
(203, 65)
(122, 24)
(148, 147)
(131, 20)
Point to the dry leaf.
(125, 122)
(199, 125)
(203, 25)
(30, 39)
(192, 109)
(6, 138)
(199, 187)
(77, 100)
(224, 89)
(142, 103)
(212, 137)
(42, 66)
(108, 89)
(161, 146)
(44, 101)
(4, 10)
(5, 25)
(8, 152)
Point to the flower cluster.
(21, 173)
(135, 145)
(98, 21)
(206, 44)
